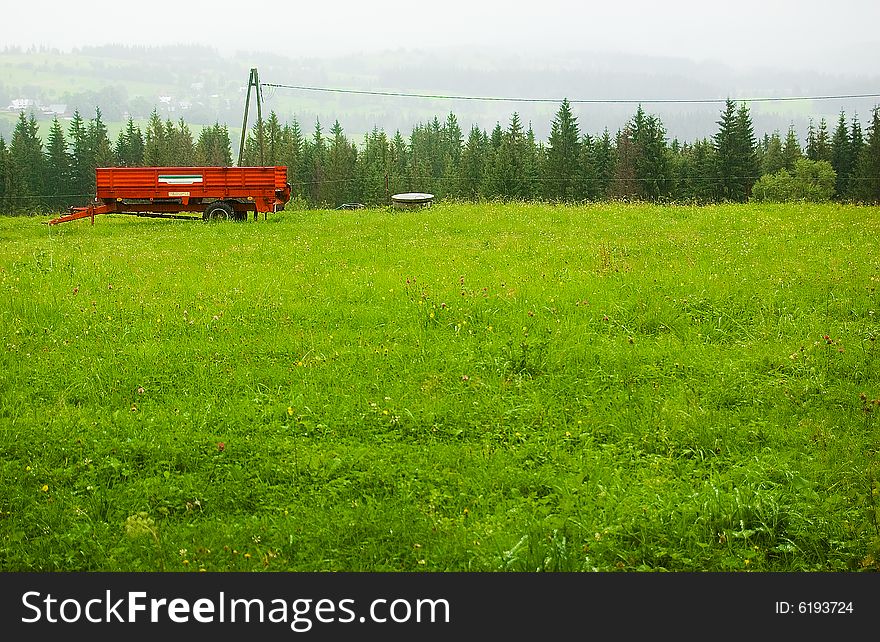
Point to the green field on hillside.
(490, 387)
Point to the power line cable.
(759, 99)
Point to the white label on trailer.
(178, 193)
(180, 179)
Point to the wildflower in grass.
(140, 525)
(45, 488)
(289, 411)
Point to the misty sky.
(804, 35)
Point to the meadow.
(493, 387)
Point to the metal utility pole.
(253, 81)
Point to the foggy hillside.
(202, 86)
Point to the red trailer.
(166, 192)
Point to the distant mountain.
(203, 86)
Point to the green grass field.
(466, 387)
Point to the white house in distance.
(20, 104)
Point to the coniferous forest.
(326, 168)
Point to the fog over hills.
(203, 86)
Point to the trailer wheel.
(219, 211)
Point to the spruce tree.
(563, 154)
(510, 162)
(867, 175)
(58, 166)
(317, 180)
(652, 170)
(810, 151)
(398, 165)
(604, 155)
(772, 160)
(748, 168)
(27, 163)
(492, 175)
(588, 177)
(372, 168)
(856, 143)
(130, 145)
(840, 156)
(292, 150)
(624, 184)
(100, 149)
(471, 166)
(725, 152)
(453, 140)
(156, 145)
(791, 150)
(181, 149)
(5, 200)
(341, 163)
(823, 142)
(81, 171)
(529, 185)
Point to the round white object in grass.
(412, 199)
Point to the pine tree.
(823, 142)
(372, 168)
(748, 167)
(529, 183)
(213, 147)
(5, 200)
(181, 149)
(563, 153)
(472, 165)
(292, 150)
(492, 186)
(652, 171)
(272, 132)
(588, 176)
(791, 150)
(398, 165)
(840, 156)
(156, 145)
(317, 180)
(453, 140)
(129, 147)
(605, 162)
(856, 144)
(811, 152)
(27, 163)
(624, 184)
(58, 166)
(341, 163)
(726, 153)
(867, 173)
(772, 160)
(100, 148)
(510, 163)
(81, 171)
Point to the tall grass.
(494, 387)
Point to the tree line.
(327, 168)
